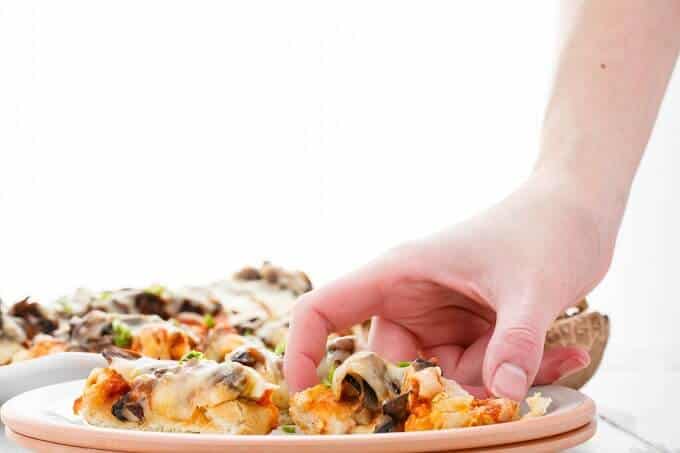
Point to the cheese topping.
(538, 405)
(197, 378)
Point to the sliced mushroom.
(268, 365)
(194, 299)
(339, 349)
(37, 319)
(127, 410)
(397, 408)
(234, 378)
(366, 376)
(294, 281)
(394, 414)
(11, 328)
(273, 332)
(148, 303)
(244, 357)
(111, 352)
(385, 424)
(248, 273)
(420, 364)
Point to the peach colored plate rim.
(553, 443)
(27, 414)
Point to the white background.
(175, 141)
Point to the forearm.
(617, 57)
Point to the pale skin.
(481, 295)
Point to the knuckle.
(302, 306)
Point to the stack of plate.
(42, 420)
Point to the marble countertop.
(636, 414)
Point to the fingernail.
(571, 366)
(510, 381)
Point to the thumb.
(515, 350)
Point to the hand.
(480, 296)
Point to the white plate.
(52, 369)
(46, 414)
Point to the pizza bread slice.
(148, 335)
(194, 395)
(368, 394)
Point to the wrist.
(594, 206)
(600, 195)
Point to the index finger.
(336, 306)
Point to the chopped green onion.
(65, 305)
(280, 348)
(328, 380)
(105, 295)
(191, 355)
(290, 429)
(209, 321)
(156, 290)
(403, 364)
(122, 335)
(248, 332)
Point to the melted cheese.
(196, 377)
(538, 405)
(384, 378)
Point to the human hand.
(479, 296)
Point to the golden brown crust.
(160, 342)
(316, 411)
(42, 345)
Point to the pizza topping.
(248, 273)
(191, 355)
(294, 281)
(273, 332)
(339, 349)
(10, 327)
(209, 321)
(222, 341)
(247, 356)
(280, 348)
(122, 335)
(110, 353)
(146, 334)
(194, 299)
(420, 364)
(289, 429)
(538, 405)
(397, 408)
(427, 382)
(377, 379)
(126, 410)
(151, 302)
(267, 363)
(37, 319)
